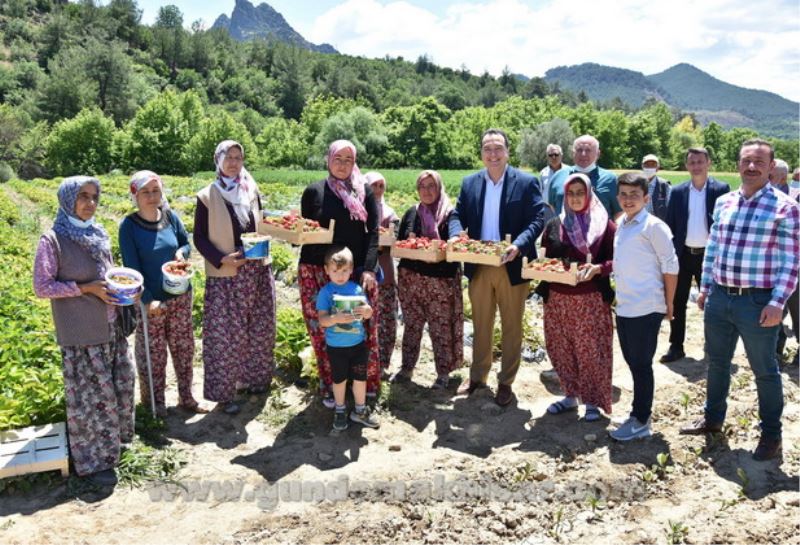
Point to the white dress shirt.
(490, 224)
(643, 253)
(696, 228)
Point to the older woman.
(344, 196)
(577, 319)
(430, 292)
(148, 238)
(69, 269)
(387, 290)
(239, 306)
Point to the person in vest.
(149, 238)
(239, 305)
(69, 269)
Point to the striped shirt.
(753, 243)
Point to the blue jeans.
(638, 338)
(728, 317)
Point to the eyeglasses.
(554, 155)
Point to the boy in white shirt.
(646, 274)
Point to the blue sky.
(746, 43)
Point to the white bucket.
(176, 283)
(123, 283)
(255, 245)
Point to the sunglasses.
(554, 155)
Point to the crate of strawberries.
(420, 248)
(386, 237)
(480, 252)
(552, 270)
(296, 229)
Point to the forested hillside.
(88, 88)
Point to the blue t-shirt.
(340, 335)
(147, 245)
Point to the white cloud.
(736, 41)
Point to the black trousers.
(691, 266)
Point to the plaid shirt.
(753, 243)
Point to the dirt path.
(460, 461)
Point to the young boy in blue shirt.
(646, 274)
(345, 338)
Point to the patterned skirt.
(238, 331)
(387, 327)
(98, 382)
(172, 329)
(439, 303)
(579, 338)
(311, 279)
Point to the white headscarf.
(239, 191)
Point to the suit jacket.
(678, 209)
(521, 215)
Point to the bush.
(282, 258)
(198, 153)
(81, 145)
(533, 143)
(6, 173)
(291, 338)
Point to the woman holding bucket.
(70, 267)
(148, 239)
(239, 308)
(387, 290)
(344, 196)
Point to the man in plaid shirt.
(749, 271)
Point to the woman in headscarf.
(387, 290)
(577, 319)
(69, 269)
(343, 196)
(430, 292)
(239, 305)
(148, 238)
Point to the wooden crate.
(34, 449)
(567, 277)
(477, 259)
(387, 239)
(434, 255)
(297, 236)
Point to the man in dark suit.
(496, 201)
(689, 216)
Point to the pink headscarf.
(434, 214)
(387, 212)
(141, 179)
(586, 226)
(351, 191)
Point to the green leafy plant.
(676, 532)
(291, 337)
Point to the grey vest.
(79, 321)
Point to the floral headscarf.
(434, 214)
(587, 225)
(92, 237)
(351, 191)
(239, 191)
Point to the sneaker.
(441, 383)
(631, 429)
(329, 402)
(365, 418)
(340, 420)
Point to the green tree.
(68, 89)
(170, 37)
(713, 140)
(416, 134)
(111, 69)
(81, 145)
(532, 147)
(198, 154)
(283, 143)
(359, 125)
(289, 69)
(157, 135)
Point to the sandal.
(559, 407)
(193, 407)
(592, 414)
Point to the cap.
(651, 157)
